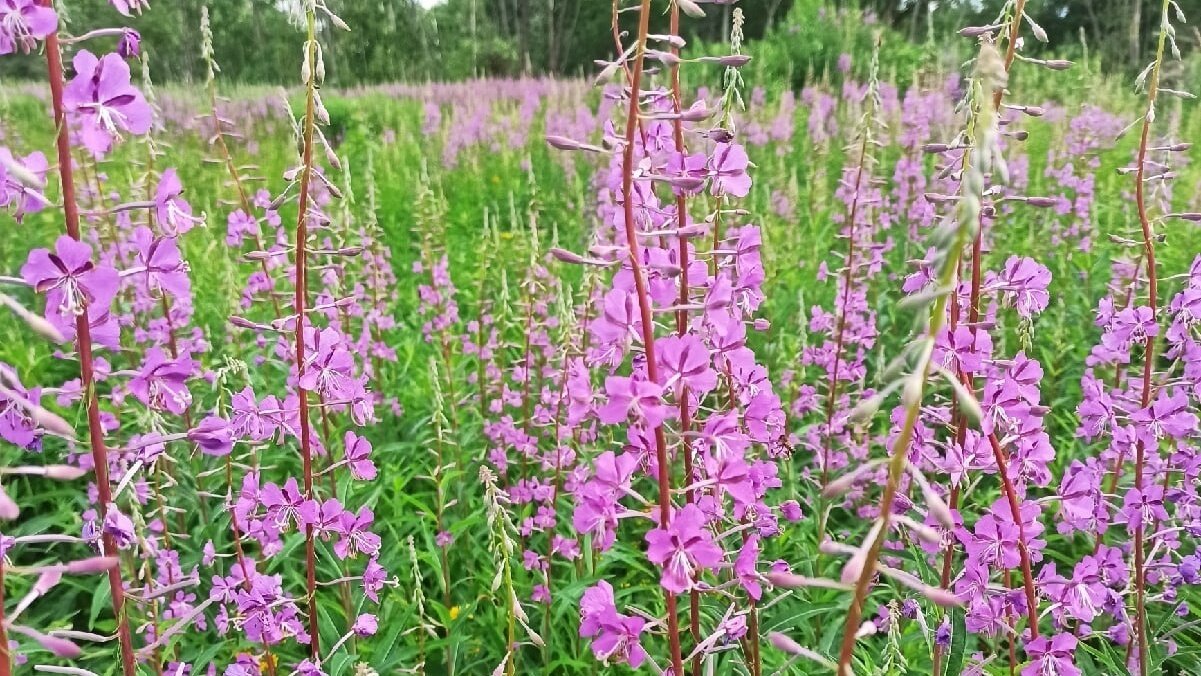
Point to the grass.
(511, 186)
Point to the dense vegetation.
(353, 378)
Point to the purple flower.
(15, 194)
(213, 435)
(71, 281)
(685, 361)
(22, 23)
(162, 382)
(327, 364)
(358, 456)
(728, 165)
(120, 527)
(1025, 282)
(165, 267)
(173, 212)
(355, 535)
(288, 505)
(745, 568)
(365, 625)
(628, 395)
(614, 636)
(683, 548)
(305, 668)
(127, 7)
(1168, 416)
(102, 101)
(1145, 506)
(374, 577)
(1051, 656)
(791, 510)
(129, 45)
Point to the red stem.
(301, 284)
(1148, 370)
(644, 309)
(6, 664)
(83, 341)
(694, 601)
(832, 391)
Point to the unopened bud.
(91, 565)
(865, 409)
(8, 507)
(977, 31)
(1041, 202)
(734, 60)
(64, 472)
(691, 9)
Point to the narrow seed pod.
(787, 645)
(95, 564)
(8, 507)
(64, 472)
(934, 502)
(844, 483)
(691, 8)
(794, 581)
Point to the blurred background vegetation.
(401, 40)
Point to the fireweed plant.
(527, 354)
(996, 426)
(675, 384)
(117, 293)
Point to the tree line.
(256, 41)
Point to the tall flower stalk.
(83, 344)
(634, 258)
(1149, 341)
(983, 135)
(312, 72)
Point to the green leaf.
(958, 643)
(101, 599)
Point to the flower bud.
(129, 45)
(977, 31)
(8, 507)
(94, 564)
(213, 435)
(51, 422)
(783, 643)
(691, 8)
(64, 472)
(1041, 202)
(866, 409)
(734, 60)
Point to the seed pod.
(95, 564)
(8, 507)
(1037, 30)
(64, 472)
(691, 8)
(865, 410)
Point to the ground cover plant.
(669, 369)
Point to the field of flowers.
(535, 377)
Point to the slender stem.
(694, 601)
(644, 309)
(6, 660)
(982, 126)
(848, 273)
(83, 341)
(1140, 573)
(301, 284)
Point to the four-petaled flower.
(683, 548)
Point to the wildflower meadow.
(774, 338)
